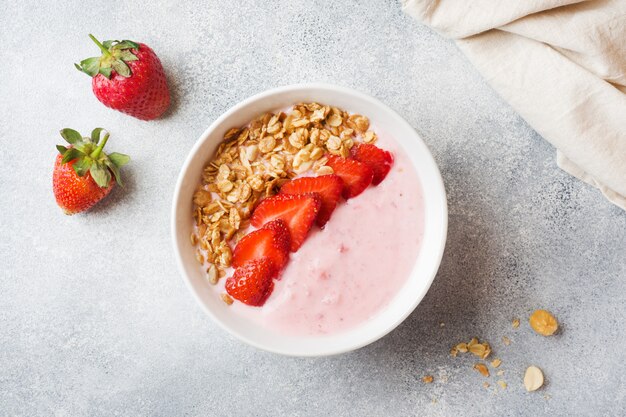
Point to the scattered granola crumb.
(533, 378)
(428, 379)
(543, 323)
(482, 350)
(226, 298)
(480, 367)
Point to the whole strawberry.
(128, 77)
(83, 174)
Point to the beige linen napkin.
(561, 64)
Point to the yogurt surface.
(350, 270)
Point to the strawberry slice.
(252, 282)
(379, 160)
(297, 210)
(327, 186)
(272, 241)
(356, 176)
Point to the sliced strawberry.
(379, 160)
(252, 282)
(356, 176)
(271, 241)
(297, 210)
(327, 186)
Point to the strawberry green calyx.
(115, 55)
(88, 156)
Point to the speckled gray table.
(95, 320)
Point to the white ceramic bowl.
(427, 261)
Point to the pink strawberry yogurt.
(349, 271)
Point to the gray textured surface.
(95, 320)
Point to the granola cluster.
(541, 321)
(482, 350)
(254, 161)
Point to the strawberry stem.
(104, 50)
(96, 153)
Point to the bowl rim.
(437, 179)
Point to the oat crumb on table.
(543, 322)
(482, 368)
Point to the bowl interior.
(427, 261)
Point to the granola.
(482, 350)
(254, 161)
(543, 322)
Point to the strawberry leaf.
(115, 55)
(115, 170)
(133, 44)
(126, 44)
(106, 72)
(127, 56)
(88, 156)
(70, 155)
(121, 68)
(95, 134)
(100, 174)
(82, 165)
(71, 136)
(89, 66)
(119, 159)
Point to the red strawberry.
(83, 174)
(297, 210)
(327, 186)
(128, 77)
(252, 282)
(379, 160)
(272, 241)
(356, 176)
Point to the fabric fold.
(561, 64)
